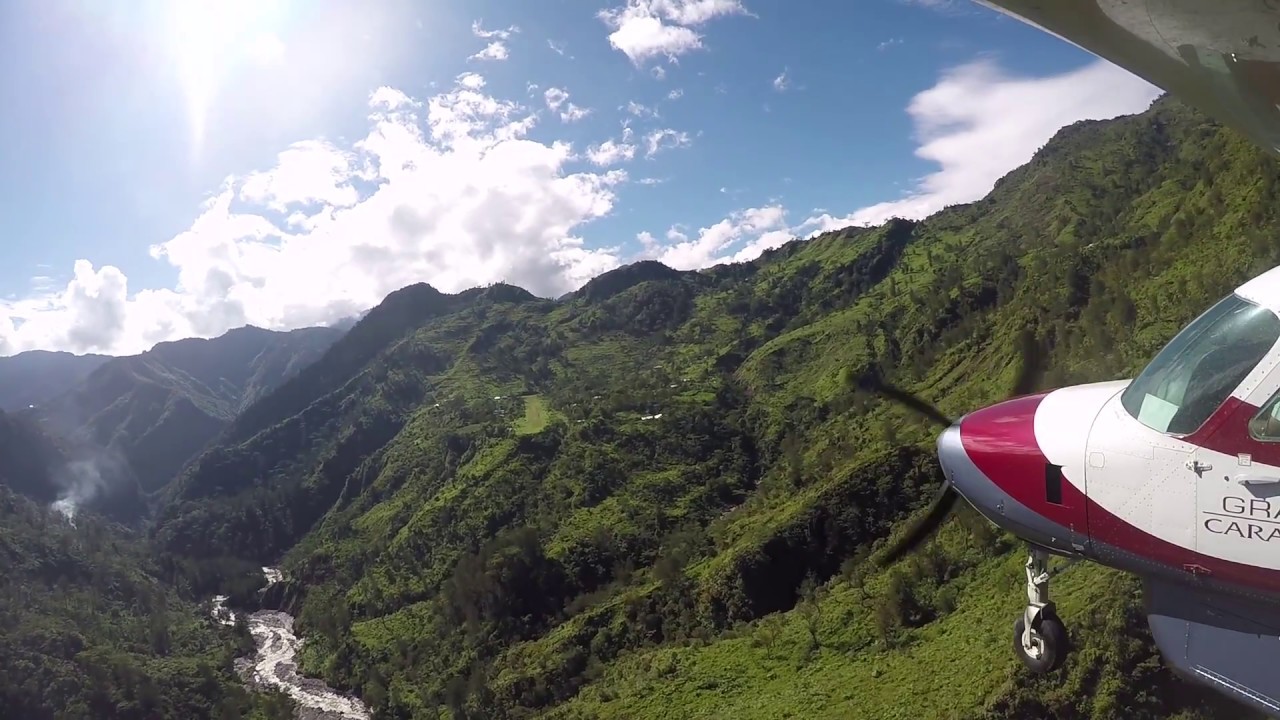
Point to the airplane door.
(1238, 498)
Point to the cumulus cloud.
(782, 82)
(980, 121)
(644, 29)
(309, 171)
(446, 189)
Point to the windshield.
(1198, 369)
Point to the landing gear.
(1039, 637)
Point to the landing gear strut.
(1039, 637)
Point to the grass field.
(536, 416)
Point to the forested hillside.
(656, 496)
(137, 420)
(33, 378)
(87, 629)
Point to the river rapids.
(274, 664)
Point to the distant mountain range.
(37, 376)
(134, 421)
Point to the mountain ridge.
(658, 498)
(494, 508)
(144, 416)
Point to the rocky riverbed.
(274, 664)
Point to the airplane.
(1173, 475)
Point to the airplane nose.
(1000, 440)
(993, 461)
(993, 446)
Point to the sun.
(208, 37)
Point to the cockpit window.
(1198, 369)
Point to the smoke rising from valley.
(82, 480)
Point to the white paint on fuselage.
(1144, 480)
(1063, 421)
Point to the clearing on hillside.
(536, 416)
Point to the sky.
(179, 169)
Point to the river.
(274, 664)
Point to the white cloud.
(449, 189)
(478, 30)
(886, 44)
(446, 189)
(557, 48)
(665, 139)
(643, 29)
(741, 236)
(610, 153)
(497, 47)
(641, 111)
(573, 113)
(979, 122)
(675, 94)
(557, 98)
(308, 172)
(782, 82)
(496, 50)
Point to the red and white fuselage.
(1121, 473)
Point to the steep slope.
(151, 413)
(86, 627)
(33, 378)
(655, 497)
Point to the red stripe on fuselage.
(1227, 432)
(1001, 442)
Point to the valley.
(658, 496)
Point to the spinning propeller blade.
(947, 497)
(938, 511)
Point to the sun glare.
(208, 37)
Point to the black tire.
(1050, 635)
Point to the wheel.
(1048, 644)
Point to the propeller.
(947, 498)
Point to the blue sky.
(179, 169)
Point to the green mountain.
(35, 377)
(87, 628)
(139, 419)
(656, 497)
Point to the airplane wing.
(1222, 56)
(1227, 643)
